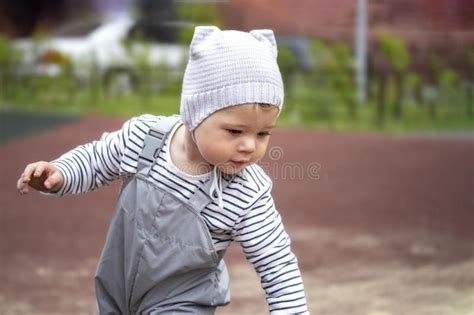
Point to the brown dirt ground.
(382, 225)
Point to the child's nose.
(247, 145)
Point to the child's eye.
(234, 131)
(265, 133)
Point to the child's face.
(236, 136)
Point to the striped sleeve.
(266, 245)
(98, 163)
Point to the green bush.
(9, 60)
(394, 50)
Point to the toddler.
(191, 186)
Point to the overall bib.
(159, 256)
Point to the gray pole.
(361, 50)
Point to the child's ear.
(266, 35)
(200, 33)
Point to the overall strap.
(153, 143)
(201, 197)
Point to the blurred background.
(362, 65)
(373, 167)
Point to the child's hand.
(42, 176)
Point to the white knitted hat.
(227, 68)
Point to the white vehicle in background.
(113, 49)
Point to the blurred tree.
(470, 62)
(9, 57)
(288, 68)
(446, 79)
(413, 87)
(196, 13)
(395, 59)
(470, 83)
(343, 78)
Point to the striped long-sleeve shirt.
(248, 216)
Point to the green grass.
(307, 106)
(415, 118)
(58, 98)
(315, 105)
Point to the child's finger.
(50, 182)
(39, 170)
(24, 178)
(27, 173)
(19, 183)
(22, 186)
(53, 180)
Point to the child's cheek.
(212, 153)
(261, 150)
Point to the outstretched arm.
(91, 165)
(82, 169)
(267, 246)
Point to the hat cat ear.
(200, 33)
(267, 36)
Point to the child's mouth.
(239, 163)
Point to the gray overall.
(159, 257)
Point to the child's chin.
(232, 169)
